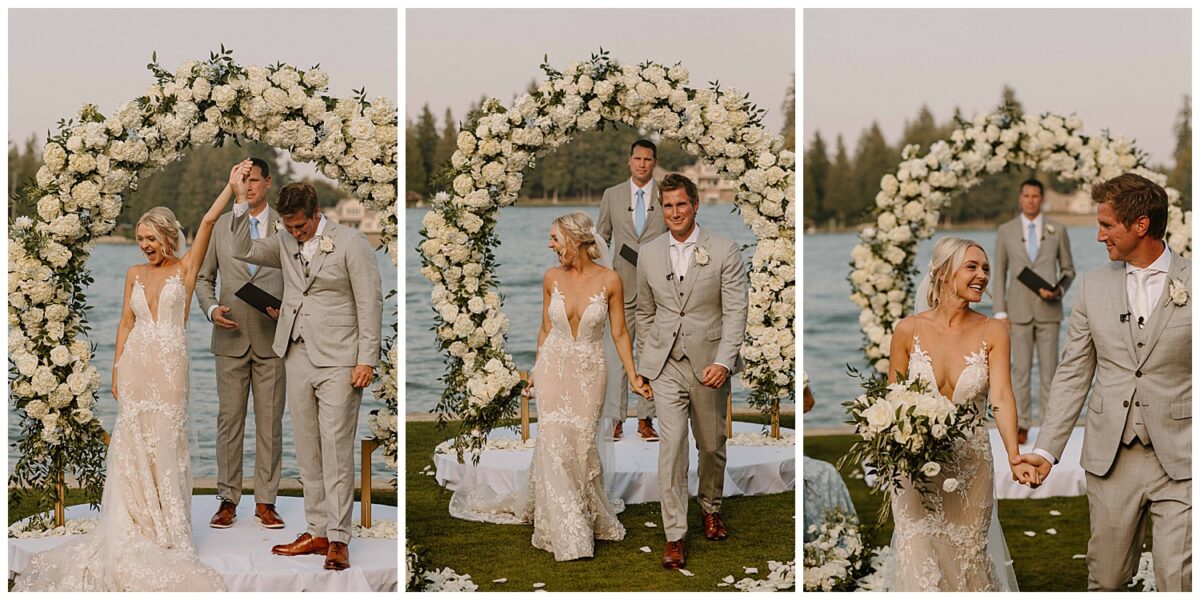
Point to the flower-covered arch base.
(78, 193)
(721, 127)
(909, 202)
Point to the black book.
(1035, 282)
(255, 296)
(629, 254)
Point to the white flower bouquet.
(908, 431)
(836, 557)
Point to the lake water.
(832, 338)
(109, 263)
(523, 258)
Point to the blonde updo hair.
(578, 227)
(163, 221)
(949, 254)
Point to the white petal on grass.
(1030, 533)
(1055, 513)
(645, 549)
(501, 580)
(650, 524)
(1078, 556)
(539, 585)
(728, 579)
(1052, 531)
(750, 570)
(687, 573)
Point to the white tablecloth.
(242, 553)
(749, 470)
(1067, 478)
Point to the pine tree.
(816, 179)
(445, 149)
(427, 143)
(416, 178)
(789, 117)
(1180, 176)
(873, 158)
(841, 188)
(923, 130)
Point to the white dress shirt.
(646, 199)
(1156, 282)
(681, 252)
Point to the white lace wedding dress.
(952, 542)
(143, 541)
(564, 496)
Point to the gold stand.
(368, 446)
(524, 410)
(775, 419)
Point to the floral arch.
(909, 202)
(91, 163)
(721, 127)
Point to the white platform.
(242, 553)
(749, 470)
(1067, 478)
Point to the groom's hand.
(714, 375)
(361, 376)
(1039, 462)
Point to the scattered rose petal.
(1078, 556)
(501, 580)
(650, 524)
(539, 585)
(1052, 531)
(728, 579)
(750, 570)
(1030, 533)
(687, 573)
(1055, 513)
(722, 585)
(645, 549)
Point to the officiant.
(1033, 269)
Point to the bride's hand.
(1026, 474)
(237, 179)
(642, 388)
(527, 391)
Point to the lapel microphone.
(670, 277)
(1125, 317)
(1141, 322)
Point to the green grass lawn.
(761, 528)
(1042, 562)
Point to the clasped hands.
(640, 386)
(1030, 469)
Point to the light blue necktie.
(254, 236)
(639, 212)
(1031, 242)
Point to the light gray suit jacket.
(706, 313)
(255, 329)
(1053, 262)
(616, 227)
(336, 308)
(1159, 375)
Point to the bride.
(944, 544)
(565, 497)
(143, 541)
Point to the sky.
(62, 59)
(455, 56)
(1122, 70)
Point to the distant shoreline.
(541, 202)
(1068, 219)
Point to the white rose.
(931, 469)
(950, 485)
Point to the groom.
(328, 335)
(1131, 329)
(691, 318)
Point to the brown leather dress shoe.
(225, 517)
(338, 557)
(267, 517)
(617, 431)
(646, 430)
(714, 527)
(1022, 436)
(304, 544)
(675, 557)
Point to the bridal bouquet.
(908, 431)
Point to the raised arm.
(126, 325)
(195, 257)
(206, 282)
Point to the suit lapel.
(693, 270)
(1124, 317)
(1165, 308)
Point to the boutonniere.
(1049, 228)
(278, 227)
(701, 257)
(1179, 292)
(326, 244)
